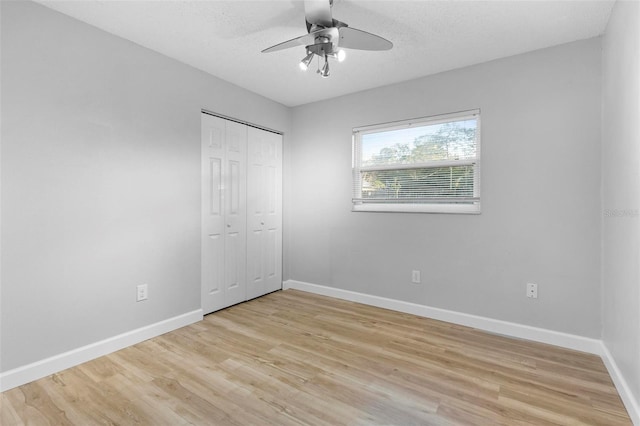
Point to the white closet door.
(235, 211)
(264, 212)
(212, 247)
(223, 195)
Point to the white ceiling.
(224, 38)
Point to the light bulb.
(325, 68)
(341, 55)
(304, 64)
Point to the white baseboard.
(39, 369)
(628, 399)
(565, 340)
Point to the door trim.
(246, 123)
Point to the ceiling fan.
(327, 37)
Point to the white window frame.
(430, 205)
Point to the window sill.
(418, 208)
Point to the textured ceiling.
(224, 38)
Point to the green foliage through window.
(423, 183)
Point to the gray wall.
(621, 191)
(540, 218)
(100, 181)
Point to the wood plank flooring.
(293, 358)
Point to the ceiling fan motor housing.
(326, 42)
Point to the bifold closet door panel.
(212, 226)
(223, 195)
(264, 212)
(235, 212)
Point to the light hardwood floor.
(297, 358)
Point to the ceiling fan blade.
(305, 40)
(352, 38)
(318, 12)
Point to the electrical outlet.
(415, 277)
(532, 290)
(142, 293)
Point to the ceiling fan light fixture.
(341, 55)
(325, 68)
(304, 63)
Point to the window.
(429, 165)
